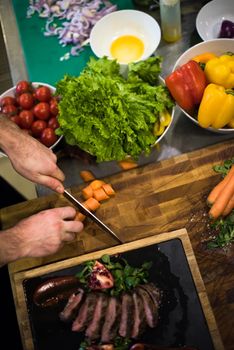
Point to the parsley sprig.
(225, 229)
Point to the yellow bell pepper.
(216, 108)
(220, 71)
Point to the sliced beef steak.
(150, 308)
(153, 292)
(85, 313)
(93, 330)
(112, 320)
(71, 308)
(126, 319)
(139, 318)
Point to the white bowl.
(125, 22)
(11, 92)
(211, 16)
(218, 47)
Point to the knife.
(88, 213)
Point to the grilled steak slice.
(150, 308)
(126, 319)
(93, 330)
(85, 314)
(153, 292)
(112, 320)
(139, 323)
(71, 308)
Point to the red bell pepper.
(187, 84)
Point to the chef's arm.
(29, 157)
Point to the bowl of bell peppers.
(202, 84)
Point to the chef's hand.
(29, 157)
(39, 235)
(221, 198)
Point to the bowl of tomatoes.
(202, 85)
(33, 106)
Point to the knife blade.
(88, 213)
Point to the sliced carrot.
(108, 189)
(222, 199)
(87, 192)
(92, 204)
(87, 175)
(79, 216)
(125, 165)
(95, 184)
(100, 195)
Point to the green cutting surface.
(42, 54)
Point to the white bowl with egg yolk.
(125, 35)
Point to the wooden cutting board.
(159, 197)
(173, 248)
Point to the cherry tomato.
(22, 86)
(15, 119)
(53, 123)
(48, 137)
(7, 100)
(26, 100)
(54, 107)
(9, 109)
(42, 110)
(43, 94)
(26, 119)
(37, 127)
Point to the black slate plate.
(182, 321)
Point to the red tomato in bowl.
(9, 109)
(26, 119)
(42, 110)
(26, 100)
(53, 123)
(22, 86)
(48, 137)
(43, 94)
(37, 127)
(54, 107)
(8, 100)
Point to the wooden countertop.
(156, 198)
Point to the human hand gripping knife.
(88, 213)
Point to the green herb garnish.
(224, 168)
(126, 277)
(225, 229)
(119, 343)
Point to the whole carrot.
(222, 199)
(217, 190)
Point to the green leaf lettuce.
(109, 116)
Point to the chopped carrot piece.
(79, 216)
(100, 195)
(126, 165)
(92, 204)
(95, 184)
(87, 192)
(87, 175)
(108, 189)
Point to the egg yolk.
(127, 48)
